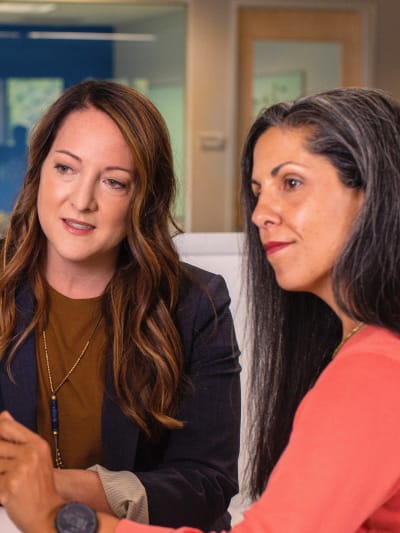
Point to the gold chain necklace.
(356, 328)
(53, 398)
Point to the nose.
(266, 212)
(83, 196)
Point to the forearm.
(83, 486)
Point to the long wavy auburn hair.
(294, 333)
(140, 300)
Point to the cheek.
(41, 198)
(318, 217)
(319, 230)
(47, 192)
(307, 219)
(120, 215)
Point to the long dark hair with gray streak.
(294, 334)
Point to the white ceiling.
(84, 14)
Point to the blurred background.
(208, 65)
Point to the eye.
(255, 188)
(291, 183)
(62, 169)
(115, 184)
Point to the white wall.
(222, 253)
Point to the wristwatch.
(76, 517)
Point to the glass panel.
(56, 45)
(284, 70)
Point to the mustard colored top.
(340, 472)
(71, 322)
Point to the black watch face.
(76, 518)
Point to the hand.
(27, 489)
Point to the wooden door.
(306, 25)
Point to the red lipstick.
(274, 246)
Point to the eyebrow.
(114, 167)
(276, 169)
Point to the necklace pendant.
(58, 459)
(55, 430)
(54, 414)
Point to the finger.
(9, 449)
(12, 481)
(6, 415)
(7, 465)
(13, 431)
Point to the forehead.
(284, 137)
(281, 143)
(88, 118)
(91, 135)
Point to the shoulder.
(197, 282)
(195, 273)
(363, 378)
(205, 324)
(203, 306)
(356, 399)
(370, 343)
(370, 359)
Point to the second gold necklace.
(348, 337)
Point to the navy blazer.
(189, 474)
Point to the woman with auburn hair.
(320, 190)
(120, 356)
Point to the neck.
(78, 283)
(348, 325)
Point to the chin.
(287, 284)
(292, 285)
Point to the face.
(304, 212)
(85, 189)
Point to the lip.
(78, 227)
(272, 247)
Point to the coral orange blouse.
(340, 472)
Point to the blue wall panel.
(23, 57)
